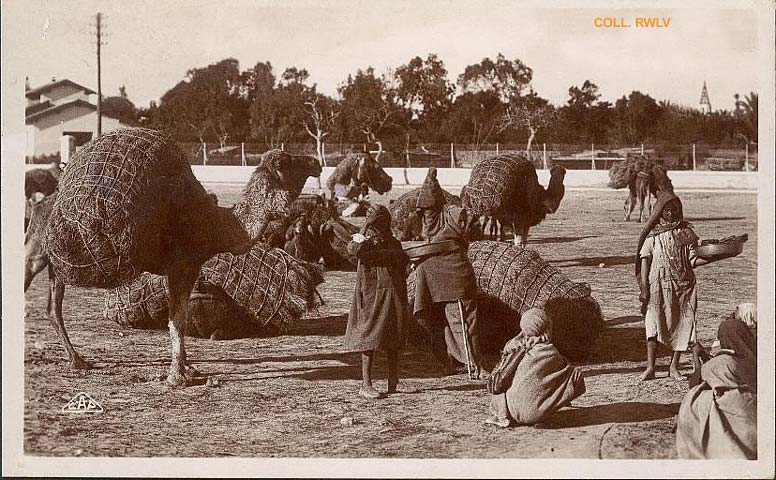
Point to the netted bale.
(122, 198)
(512, 280)
(264, 290)
(623, 174)
(141, 303)
(273, 286)
(507, 188)
(405, 223)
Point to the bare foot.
(649, 374)
(675, 374)
(499, 422)
(369, 392)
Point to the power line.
(99, 35)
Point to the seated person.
(543, 381)
(718, 417)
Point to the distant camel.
(128, 203)
(642, 189)
(355, 173)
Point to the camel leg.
(630, 205)
(641, 208)
(521, 234)
(181, 280)
(56, 296)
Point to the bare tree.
(530, 113)
(322, 120)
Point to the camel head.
(291, 170)
(370, 173)
(555, 189)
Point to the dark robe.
(380, 310)
(448, 277)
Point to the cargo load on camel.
(512, 280)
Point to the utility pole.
(99, 34)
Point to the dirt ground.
(286, 396)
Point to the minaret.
(705, 103)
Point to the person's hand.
(358, 238)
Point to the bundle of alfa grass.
(499, 183)
(117, 199)
(623, 174)
(273, 286)
(406, 224)
(143, 304)
(235, 295)
(512, 280)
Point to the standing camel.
(128, 202)
(641, 190)
(506, 187)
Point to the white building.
(61, 107)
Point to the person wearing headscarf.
(664, 267)
(446, 287)
(380, 309)
(718, 417)
(533, 380)
(747, 313)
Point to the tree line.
(413, 104)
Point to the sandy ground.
(285, 396)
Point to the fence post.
(452, 156)
(496, 148)
(642, 149)
(746, 161)
(592, 154)
(693, 156)
(242, 153)
(544, 155)
(204, 153)
(282, 146)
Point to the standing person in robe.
(446, 287)
(664, 266)
(380, 310)
(718, 417)
(533, 379)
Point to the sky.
(151, 44)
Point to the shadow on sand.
(595, 261)
(620, 412)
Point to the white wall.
(456, 178)
(74, 119)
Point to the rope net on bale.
(406, 224)
(269, 283)
(512, 280)
(498, 185)
(236, 296)
(142, 304)
(623, 174)
(120, 198)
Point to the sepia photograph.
(441, 239)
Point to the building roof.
(36, 115)
(35, 92)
